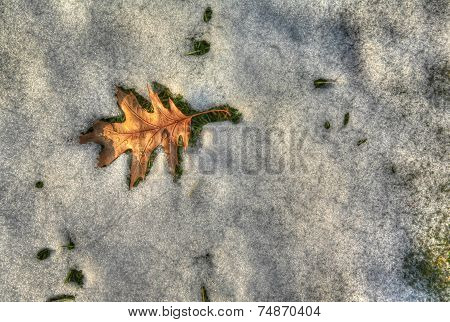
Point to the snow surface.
(334, 224)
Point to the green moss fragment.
(70, 244)
(362, 141)
(137, 182)
(151, 159)
(323, 83)
(179, 167)
(62, 298)
(199, 47)
(204, 294)
(327, 125)
(445, 187)
(115, 119)
(39, 184)
(207, 15)
(346, 119)
(43, 254)
(75, 277)
(430, 269)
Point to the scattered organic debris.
(75, 276)
(429, 267)
(39, 184)
(142, 132)
(346, 119)
(115, 119)
(362, 141)
(199, 47)
(207, 15)
(204, 294)
(327, 125)
(323, 83)
(70, 244)
(445, 187)
(393, 169)
(44, 253)
(62, 298)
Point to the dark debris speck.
(43, 254)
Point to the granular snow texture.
(276, 208)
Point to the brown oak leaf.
(142, 132)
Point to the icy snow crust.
(334, 226)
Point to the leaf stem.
(211, 111)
